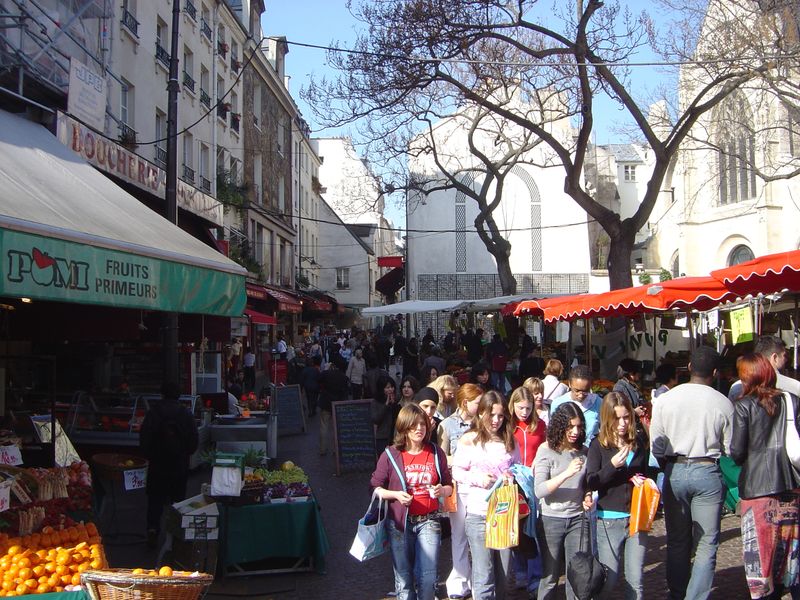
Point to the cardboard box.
(197, 511)
(200, 533)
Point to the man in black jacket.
(168, 438)
(333, 387)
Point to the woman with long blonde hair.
(617, 458)
(446, 386)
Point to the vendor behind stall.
(168, 438)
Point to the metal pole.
(587, 323)
(170, 344)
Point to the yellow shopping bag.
(502, 518)
(644, 504)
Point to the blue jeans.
(614, 545)
(693, 497)
(527, 570)
(415, 554)
(489, 566)
(559, 537)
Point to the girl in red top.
(530, 432)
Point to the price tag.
(135, 479)
(5, 495)
(10, 455)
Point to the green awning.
(69, 234)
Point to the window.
(205, 97)
(188, 157)
(794, 133)
(129, 17)
(740, 254)
(343, 278)
(630, 172)
(205, 182)
(257, 105)
(161, 135)
(279, 135)
(234, 169)
(188, 69)
(126, 103)
(735, 143)
(162, 34)
(676, 271)
(281, 195)
(257, 182)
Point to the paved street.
(343, 500)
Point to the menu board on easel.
(288, 403)
(353, 435)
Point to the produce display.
(290, 481)
(49, 561)
(43, 497)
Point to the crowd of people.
(443, 445)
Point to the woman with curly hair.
(559, 481)
(484, 455)
(768, 483)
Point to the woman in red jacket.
(412, 475)
(530, 432)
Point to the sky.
(320, 22)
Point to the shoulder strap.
(397, 469)
(789, 407)
(436, 461)
(552, 390)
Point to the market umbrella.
(686, 293)
(763, 275)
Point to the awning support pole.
(587, 323)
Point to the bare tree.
(421, 60)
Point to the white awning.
(414, 306)
(79, 225)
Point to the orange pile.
(49, 561)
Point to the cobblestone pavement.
(343, 500)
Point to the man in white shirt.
(774, 350)
(690, 429)
(280, 346)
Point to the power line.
(490, 63)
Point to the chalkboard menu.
(353, 436)
(288, 403)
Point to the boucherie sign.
(111, 158)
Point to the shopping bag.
(450, 504)
(644, 504)
(502, 518)
(585, 573)
(371, 539)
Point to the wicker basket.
(122, 584)
(111, 466)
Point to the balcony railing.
(205, 98)
(222, 111)
(162, 55)
(222, 49)
(188, 173)
(235, 64)
(236, 119)
(127, 135)
(205, 184)
(190, 9)
(130, 22)
(205, 28)
(188, 82)
(161, 156)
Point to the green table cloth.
(260, 531)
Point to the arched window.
(735, 142)
(536, 216)
(740, 254)
(675, 266)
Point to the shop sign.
(10, 455)
(5, 495)
(111, 158)
(741, 325)
(52, 269)
(135, 479)
(87, 95)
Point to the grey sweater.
(567, 500)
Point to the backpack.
(166, 438)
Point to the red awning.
(390, 261)
(763, 275)
(391, 282)
(286, 302)
(700, 293)
(260, 318)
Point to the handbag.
(644, 505)
(585, 573)
(502, 518)
(450, 504)
(371, 539)
(792, 444)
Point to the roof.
(624, 153)
(361, 231)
